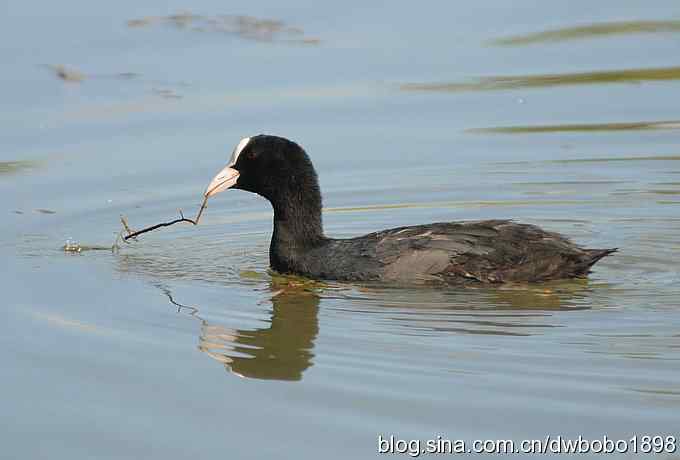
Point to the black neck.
(297, 226)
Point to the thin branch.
(154, 227)
(134, 234)
(125, 224)
(200, 211)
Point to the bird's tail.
(594, 255)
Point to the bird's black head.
(274, 167)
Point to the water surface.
(184, 344)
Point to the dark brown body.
(492, 251)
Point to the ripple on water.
(207, 257)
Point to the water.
(183, 344)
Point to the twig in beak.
(200, 211)
(134, 234)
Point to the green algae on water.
(74, 247)
(15, 167)
(245, 27)
(505, 82)
(596, 30)
(581, 127)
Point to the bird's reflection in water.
(507, 310)
(282, 351)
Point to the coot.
(489, 251)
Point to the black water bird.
(489, 251)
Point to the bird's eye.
(250, 154)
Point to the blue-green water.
(412, 113)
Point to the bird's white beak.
(224, 180)
(227, 178)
